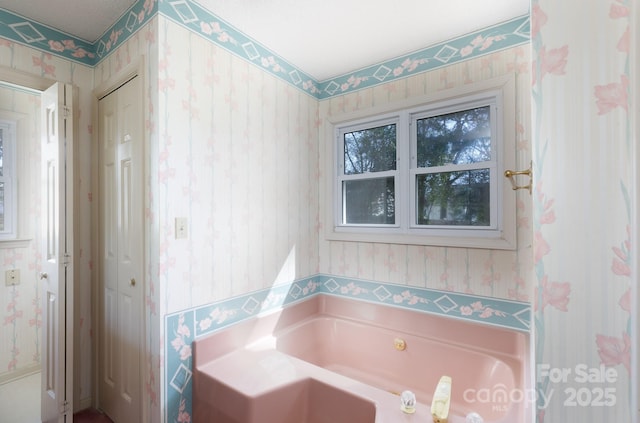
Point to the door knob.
(132, 282)
(43, 275)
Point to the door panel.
(57, 246)
(121, 225)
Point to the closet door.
(121, 241)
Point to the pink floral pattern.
(621, 263)
(353, 289)
(538, 20)
(179, 343)
(481, 43)
(614, 351)
(217, 316)
(310, 288)
(10, 320)
(183, 415)
(554, 61)
(409, 298)
(408, 65)
(271, 63)
(594, 323)
(353, 82)
(483, 311)
(70, 45)
(555, 294)
(612, 95)
(210, 28)
(547, 62)
(46, 69)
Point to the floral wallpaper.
(583, 279)
(229, 143)
(21, 312)
(234, 138)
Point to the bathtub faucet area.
(400, 344)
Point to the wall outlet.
(181, 228)
(12, 277)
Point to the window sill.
(14, 243)
(504, 242)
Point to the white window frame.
(10, 179)
(499, 94)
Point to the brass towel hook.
(511, 174)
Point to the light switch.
(181, 228)
(12, 277)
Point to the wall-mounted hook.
(511, 174)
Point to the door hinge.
(66, 112)
(64, 407)
(66, 259)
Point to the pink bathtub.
(334, 360)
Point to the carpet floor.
(90, 416)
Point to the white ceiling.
(84, 19)
(322, 38)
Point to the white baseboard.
(19, 373)
(83, 404)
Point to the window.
(369, 173)
(8, 191)
(429, 172)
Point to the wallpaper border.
(183, 327)
(195, 18)
(52, 41)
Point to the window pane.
(455, 138)
(369, 201)
(454, 198)
(370, 150)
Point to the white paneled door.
(121, 250)
(56, 275)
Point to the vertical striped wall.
(583, 163)
(237, 156)
(18, 306)
(234, 149)
(21, 313)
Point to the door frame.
(72, 343)
(135, 69)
